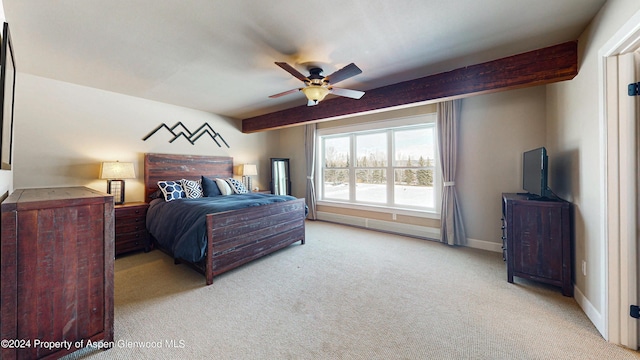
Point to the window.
(389, 165)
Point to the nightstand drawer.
(130, 228)
(137, 211)
(132, 244)
(132, 241)
(124, 223)
(140, 235)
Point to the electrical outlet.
(584, 268)
(394, 216)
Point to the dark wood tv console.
(536, 240)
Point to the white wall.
(495, 129)
(63, 131)
(574, 138)
(291, 146)
(6, 181)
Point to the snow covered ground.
(376, 193)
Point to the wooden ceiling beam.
(538, 67)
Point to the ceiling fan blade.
(354, 94)
(291, 70)
(285, 93)
(344, 73)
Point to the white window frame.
(372, 127)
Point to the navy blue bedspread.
(180, 225)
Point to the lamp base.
(247, 182)
(116, 188)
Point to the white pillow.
(224, 187)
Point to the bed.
(233, 237)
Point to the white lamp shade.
(113, 170)
(249, 170)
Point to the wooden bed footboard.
(239, 236)
(234, 237)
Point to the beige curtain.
(451, 228)
(310, 154)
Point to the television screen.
(534, 172)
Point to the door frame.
(618, 185)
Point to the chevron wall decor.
(180, 130)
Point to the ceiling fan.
(318, 86)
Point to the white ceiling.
(218, 55)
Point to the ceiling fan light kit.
(317, 86)
(315, 93)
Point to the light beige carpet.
(347, 294)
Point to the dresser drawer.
(504, 239)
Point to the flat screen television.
(535, 172)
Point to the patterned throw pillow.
(192, 188)
(224, 187)
(237, 186)
(172, 190)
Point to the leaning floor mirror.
(280, 179)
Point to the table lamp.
(114, 172)
(248, 170)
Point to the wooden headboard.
(159, 167)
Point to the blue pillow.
(210, 188)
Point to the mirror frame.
(287, 174)
(7, 94)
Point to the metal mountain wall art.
(180, 130)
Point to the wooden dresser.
(56, 270)
(131, 227)
(536, 239)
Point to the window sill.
(382, 209)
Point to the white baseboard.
(591, 312)
(484, 245)
(424, 232)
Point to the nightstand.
(131, 228)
